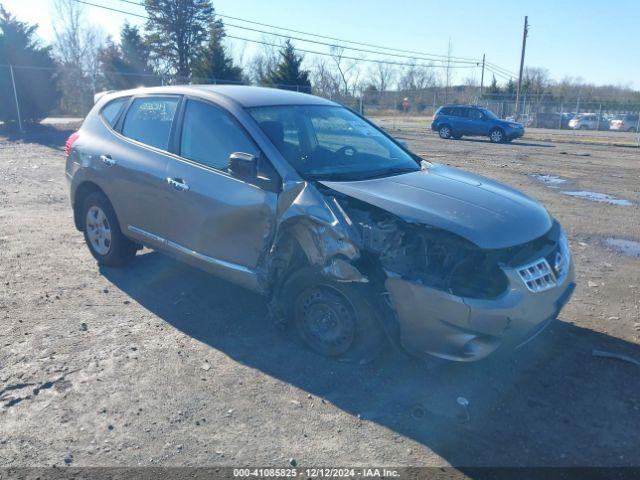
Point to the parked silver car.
(624, 123)
(588, 121)
(354, 239)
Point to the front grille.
(537, 276)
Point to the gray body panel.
(484, 212)
(219, 216)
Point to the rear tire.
(445, 132)
(496, 135)
(334, 319)
(102, 232)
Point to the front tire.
(333, 319)
(102, 232)
(445, 132)
(496, 135)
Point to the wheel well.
(82, 192)
(496, 128)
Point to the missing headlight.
(426, 255)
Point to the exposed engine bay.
(426, 255)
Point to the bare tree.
(76, 48)
(263, 62)
(324, 80)
(417, 77)
(535, 83)
(348, 71)
(382, 76)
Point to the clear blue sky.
(593, 39)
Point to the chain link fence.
(396, 110)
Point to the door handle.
(107, 160)
(178, 184)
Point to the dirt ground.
(161, 364)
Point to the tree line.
(184, 41)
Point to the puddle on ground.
(549, 180)
(630, 248)
(599, 197)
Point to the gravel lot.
(160, 364)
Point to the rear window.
(149, 120)
(110, 112)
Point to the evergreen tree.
(177, 29)
(288, 74)
(127, 65)
(214, 64)
(33, 70)
(493, 87)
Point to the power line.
(380, 47)
(347, 48)
(498, 73)
(503, 70)
(313, 52)
(332, 45)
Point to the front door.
(478, 124)
(221, 222)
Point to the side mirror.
(243, 165)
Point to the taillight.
(70, 141)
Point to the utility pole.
(524, 46)
(482, 76)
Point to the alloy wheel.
(98, 230)
(496, 136)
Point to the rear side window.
(459, 112)
(149, 120)
(112, 109)
(445, 111)
(210, 136)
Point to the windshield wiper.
(356, 176)
(387, 172)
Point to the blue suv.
(454, 121)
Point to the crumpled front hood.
(483, 211)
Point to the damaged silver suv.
(355, 240)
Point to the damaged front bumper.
(434, 322)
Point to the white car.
(588, 121)
(625, 123)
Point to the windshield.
(331, 143)
(490, 114)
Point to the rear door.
(138, 161)
(219, 221)
(478, 123)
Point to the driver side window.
(209, 136)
